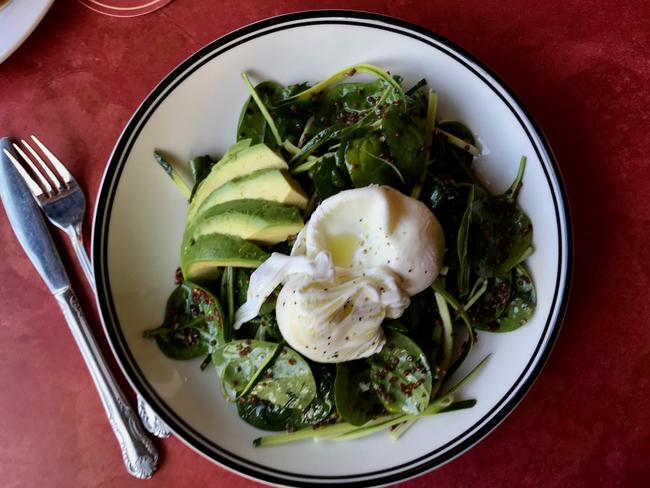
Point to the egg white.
(356, 262)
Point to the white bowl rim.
(414, 467)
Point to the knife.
(139, 454)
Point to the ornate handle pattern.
(139, 454)
(151, 421)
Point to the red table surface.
(583, 70)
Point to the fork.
(63, 203)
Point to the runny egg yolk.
(342, 247)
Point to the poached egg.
(363, 253)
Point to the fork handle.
(74, 233)
(139, 454)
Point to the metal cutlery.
(63, 202)
(139, 454)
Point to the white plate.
(17, 21)
(140, 215)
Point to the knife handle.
(139, 454)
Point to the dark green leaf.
(521, 306)
(269, 416)
(200, 168)
(366, 163)
(400, 375)
(240, 364)
(193, 325)
(492, 302)
(346, 103)
(356, 401)
(252, 124)
(405, 142)
(288, 381)
(461, 246)
(330, 178)
(502, 234)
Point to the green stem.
(432, 109)
(347, 72)
(439, 288)
(315, 433)
(401, 429)
(447, 328)
(511, 193)
(468, 377)
(343, 431)
(162, 330)
(173, 174)
(306, 166)
(472, 300)
(459, 143)
(262, 107)
(526, 254)
(230, 294)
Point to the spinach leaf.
(264, 415)
(264, 327)
(269, 416)
(449, 161)
(200, 168)
(461, 246)
(447, 200)
(365, 159)
(400, 375)
(319, 409)
(356, 401)
(240, 364)
(288, 381)
(346, 103)
(420, 321)
(252, 124)
(405, 142)
(289, 116)
(521, 306)
(193, 325)
(502, 234)
(331, 176)
(492, 302)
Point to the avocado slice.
(238, 161)
(259, 221)
(201, 258)
(267, 184)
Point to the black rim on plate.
(109, 185)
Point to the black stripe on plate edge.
(104, 205)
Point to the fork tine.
(44, 183)
(33, 186)
(46, 168)
(58, 165)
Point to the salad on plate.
(339, 258)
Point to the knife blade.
(26, 219)
(28, 224)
